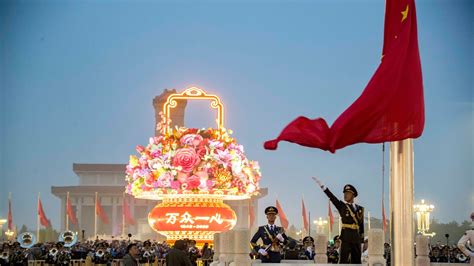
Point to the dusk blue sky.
(77, 80)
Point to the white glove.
(263, 252)
(280, 237)
(320, 184)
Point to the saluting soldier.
(272, 237)
(352, 229)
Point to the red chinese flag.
(251, 214)
(305, 216)
(126, 213)
(384, 218)
(10, 215)
(283, 219)
(331, 217)
(70, 212)
(391, 107)
(101, 213)
(42, 215)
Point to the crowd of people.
(104, 252)
(449, 254)
(304, 250)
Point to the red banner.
(281, 213)
(126, 213)
(42, 215)
(305, 217)
(70, 212)
(331, 217)
(101, 213)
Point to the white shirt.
(468, 236)
(272, 227)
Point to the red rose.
(201, 151)
(187, 158)
(193, 182)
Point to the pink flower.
(165, 180)
(187, 159)
(129, 169)
(182, 177)
(156, 153)
(193, 182)
(175, 184)
(191, 139)
(224, 157)
(143, 162)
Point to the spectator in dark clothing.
(132, 253)
(177, 255)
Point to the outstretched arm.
(339, 204)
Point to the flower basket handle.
(192, 93)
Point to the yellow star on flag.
(404, 13)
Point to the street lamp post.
(422, 211)
(320, 225)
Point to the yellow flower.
(133, 161)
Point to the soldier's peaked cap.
(271, 209)
(350, 188)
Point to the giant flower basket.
(192, 171)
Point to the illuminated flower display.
(188, 161)
(192, 171)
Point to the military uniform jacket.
(467, 237)
(349, 235)
(266, 238)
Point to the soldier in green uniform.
(272, 237)
(352, 229)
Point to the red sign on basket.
(215, 219)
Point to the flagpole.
(95, 216)
(10, 210)
(67, 215)
(303, 210)
(329, 228)
(38, 219)
(401, 202)
(309, 223)
(123, 214)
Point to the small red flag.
(101, 213)
(42, 215)
(391, 107)
(70, 212)
(305, 216)
(126, 212)
(10, 215)
(331, 217)
(283, 219)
